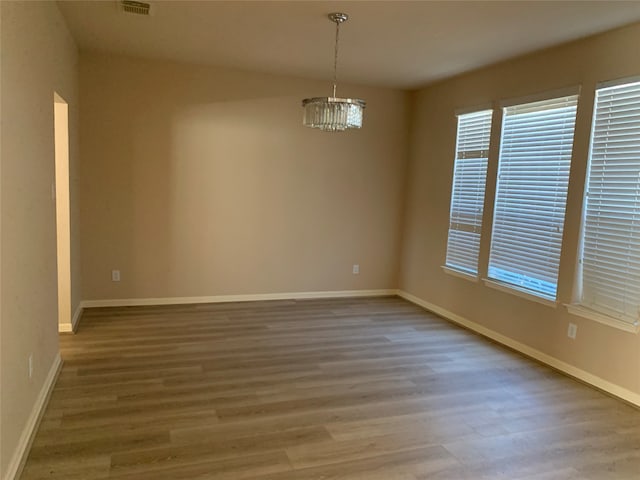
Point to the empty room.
(305, 240)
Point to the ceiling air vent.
(137, 8)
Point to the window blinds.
(467, 197)
(531, 194)
(610, 261)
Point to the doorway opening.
(63, 223)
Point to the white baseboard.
(567, 368)
(131, 302)
(71, 327)
(24, 444)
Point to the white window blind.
(467, 196)
(610, 263)
(531, 194)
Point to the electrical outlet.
(31, 365)
(572, 331)
(115, 275)
(356, 269)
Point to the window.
(467, 196)
(610, 259)
(531, 194)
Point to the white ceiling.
(401, 44)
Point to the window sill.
(459, 274)
(519, 292)
(585, 312)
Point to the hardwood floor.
(374, 389)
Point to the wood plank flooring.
(341, 389)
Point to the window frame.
(579, 307)
(486, 115)
(492, 280)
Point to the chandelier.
(333, 114)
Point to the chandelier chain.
(335, 60)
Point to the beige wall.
(199, 181)
(38, 58)
(608, 353)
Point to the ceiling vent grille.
(137, 8)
